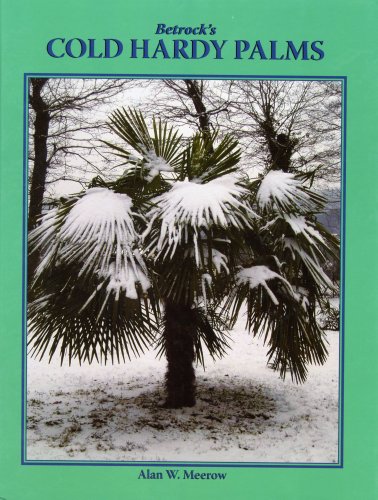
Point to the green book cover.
(196, 166)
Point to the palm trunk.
(179, 337)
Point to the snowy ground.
(244, 412)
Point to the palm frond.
(189, 210)
(96, 229)
(286, 193)
(131, 127)
(283, 315)
(160, 150)
(87, 320)
(91, 294)
(206, 164)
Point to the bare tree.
(66, 119)
(189, 103)
(291, 124)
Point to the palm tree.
(170, 253)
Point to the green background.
(349, 31)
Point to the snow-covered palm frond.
(286, 278)
(89, 298)
(282, 314)
(150, 153)
(97, 231)
(300, 225)
(285, 192)
(57, 322)
(185, 213)
(302, 243)
(155, 165)
(311, 262)
(43, 239)
(258, 276)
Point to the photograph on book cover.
(184, 287)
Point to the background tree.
(300, 121)
(292, 123)
(171, 251)
(41, 122)
(193, 104)
(66, 119)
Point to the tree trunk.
(179, 338)
(38, 177)
(203, 116)
(280, 146)
(41, 130)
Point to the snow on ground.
(244, 412)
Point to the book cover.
(188, 250)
